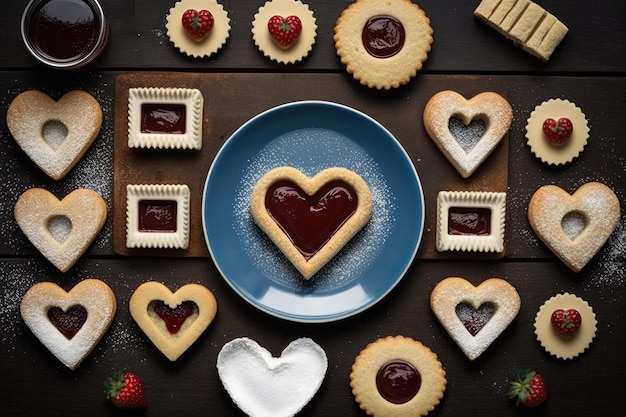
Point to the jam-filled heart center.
(468, 135)
(310, 221)
(174, 318)
(68, 322)
(474, 319)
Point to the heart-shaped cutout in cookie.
(311, 219)
(78, 332)
(474, 316)
(489, 110)
(265, 386)
(173, 321)
(61, 230)
(574, 226)
(54, 134)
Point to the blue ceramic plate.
(312, 136)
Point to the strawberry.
(557, 131)
(125, 390)
(528, 388)
(284, 30)
(197, 23)
(566, 322)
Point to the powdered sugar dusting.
(326, 149)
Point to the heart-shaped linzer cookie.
(54, 134)
(575, 226)
(311, 219)
(474, 316)
(172, 320)
(265, 386)
(69, 324)
(61, 230)
(466, 151)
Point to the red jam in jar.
(398, 381)
(310, 221)
(163, 118)
(469, 221)
(157, 216)
(383, 36)
(64, 33)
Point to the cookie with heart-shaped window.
(54, 134)
(69, 324)
(574, 226)
(474, 316)
(311, 219)
(172, 320)
(486, 116)
(61, 230)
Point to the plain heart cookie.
(61, 230)
(474, 316)
(54, 134)
(311, 219)
(172, 320)
(69, 324)
(265, 386)
(468, 147)
(574, 226)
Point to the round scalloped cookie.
(209, 45)
(553, 343)
(546, 152)
(399, 66)
(423, 376)
(303, 45)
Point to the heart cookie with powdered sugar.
(474, 316)
(574, 226)
(467, 148)
(69, 324)
(172, 320)
(54, 134)
(265, 386)
(61, 230)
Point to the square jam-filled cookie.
(157, 216)
(470, 221)
(168, 118)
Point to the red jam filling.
(475, 319)
(64, 30)
(157, 216)
(174, 317)
(383, 36)
(398, 381)
(310, 221)
(68, 322)
(473, 221)
(163, 118)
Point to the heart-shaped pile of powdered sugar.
(265, 386)
(69, 324)
(172, 320)
(61, 230)
(489, 111)
(54, 134)
(474, 316)
(574, 226)
(311, 219)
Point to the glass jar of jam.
(64, 34)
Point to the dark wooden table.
(588, 68)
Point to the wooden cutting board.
(232, 99)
